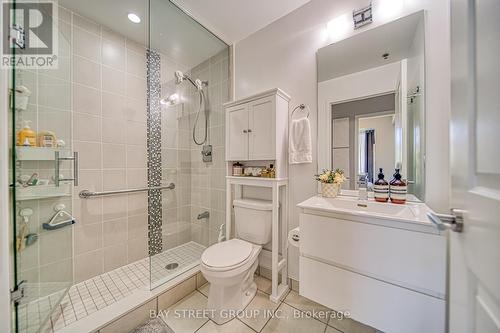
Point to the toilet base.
(225, 302)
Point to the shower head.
(179, 77)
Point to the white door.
(475, 158)
(237, 133)
(261, 127)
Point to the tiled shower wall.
(200, 186)
(96, 101)
(109, 132)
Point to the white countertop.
(411, 216)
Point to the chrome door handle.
(58, 159)
(454, 221)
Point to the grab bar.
(86, 194)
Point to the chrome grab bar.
(86, 194)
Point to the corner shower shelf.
(42, 192)
(38, 153)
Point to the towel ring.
(302, 107)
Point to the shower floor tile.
(103, 290)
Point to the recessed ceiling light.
(134, 18)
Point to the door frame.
(5, 273)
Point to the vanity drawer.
(414, 260)
(386, 307)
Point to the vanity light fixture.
(362, 17)
(134, 18)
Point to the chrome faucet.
(362, 187)
(204, 215)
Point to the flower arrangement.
(331, 176)
(331, 180)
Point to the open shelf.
(39, 153)
(42, 192)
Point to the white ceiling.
(233, 20)
(166, 28)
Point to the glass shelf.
(42, 192)
(39, 153)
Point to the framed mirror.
(371, 105)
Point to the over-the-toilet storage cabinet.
(256, 129)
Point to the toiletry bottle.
(237, 169)
(381, 188)
(47, 139)
(26, 136)
(397, 189)
(272, 171)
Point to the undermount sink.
(409, 212)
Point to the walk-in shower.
(127, 227)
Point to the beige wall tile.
(113, 156)
(55, 245)
(86, 100)
(86, 72)
(114, 232)
(88, 265)
(115, 256)
(177, 293)
(136, 63)
(113, 80)
(86, 127)
(132, 319)
(89, 154)
(86, 24)
(86, 44)
(112, 130)
(114, 179)
(137, 226)
(137, 249)
(114, 106)
(114, 207)
(113, 55)
(87, 211)
(88, 238)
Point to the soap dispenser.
(397, 189)
(381, 188)
(26, 136)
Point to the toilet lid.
(227, 254)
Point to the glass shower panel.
(192, 215)
(42, 235)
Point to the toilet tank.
(253, 220)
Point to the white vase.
(330, 190)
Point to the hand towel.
(300, 147)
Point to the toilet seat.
(227, 255)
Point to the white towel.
(300, 147)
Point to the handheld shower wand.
(198, 84)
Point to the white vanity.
(384, 263)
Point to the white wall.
(283, 54)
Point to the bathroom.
(162, 120)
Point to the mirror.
(371, 104)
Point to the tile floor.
(293, 314)
(103, 290)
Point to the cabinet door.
(261, 125)
(237, 133)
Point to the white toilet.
(229, 266)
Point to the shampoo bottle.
(397, 189)
(381, 188)
(26, 136)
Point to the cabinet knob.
(245, 131)
(249, 131)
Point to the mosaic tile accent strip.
(87, 297)
(154, 151)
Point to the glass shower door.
(43, 170)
